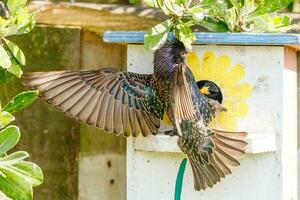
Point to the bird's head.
(170, 53)
(210, 90)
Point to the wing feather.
(107, 98)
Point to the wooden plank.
(102, 160)
(257, 143)
(213, 38)
(51, 139)
(96, 17)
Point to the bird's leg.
(172, 132)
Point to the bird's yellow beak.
(204, 90)
(189, 54)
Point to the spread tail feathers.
(214, 155)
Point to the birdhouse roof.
(236, 39)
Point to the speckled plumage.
(210, 152)
(131, 104)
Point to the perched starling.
(210, 90)
(128, 103)
(4, 12)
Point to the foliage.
(20, 21)
(215, 15)
(251, 16)
(17, 176)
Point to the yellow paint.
(166, 119)
(193, 61)
(228, 77)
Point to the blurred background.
(78, 161)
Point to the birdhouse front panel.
(251, 79)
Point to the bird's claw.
(171, 132)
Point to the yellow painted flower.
(229, 78)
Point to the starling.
(129, 103)
(210, 90)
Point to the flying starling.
(129, 104)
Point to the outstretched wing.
(182, 104)
(187, 102)
(116, 101)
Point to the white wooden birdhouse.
(257, 74)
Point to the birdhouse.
(257, 74)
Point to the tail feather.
(231, 150)
(217, 167)
(228, 147)
(232, 135)
(225, 169)
(212, 174)
(227, 159)
(198, 179)
(204, 175)
(237, 143)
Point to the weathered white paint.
(152, 168)
(98, 177)
(257, 143)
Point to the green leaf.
(134, 1)
(28, 170)
(270, 23)
(9, 137)
(5, 119)
(217, 9)
(268, 6)
(207, 4)
(26, 21)
(231, 19)
(16, 51)
(237, 3)
(5, 76)
(157, 35)
(185, 34)
(15, 5)
(21, 101)
(14, 186)
(5, 59)
(13, 158)
(180, 1)
(15, 68)
(198, 14)
(173, 8)
(214, 25)
(151, 3)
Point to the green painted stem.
(179, 180)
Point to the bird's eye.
(183, 53)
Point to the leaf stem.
(188, 3)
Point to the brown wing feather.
(181, 97)
(107, 98)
